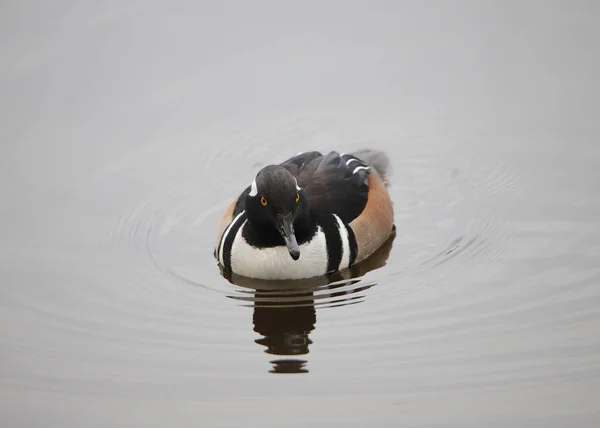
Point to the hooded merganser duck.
(310, 216)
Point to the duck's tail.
(378, 160)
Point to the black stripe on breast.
(228, 242)
(333, 241)
(353, 245)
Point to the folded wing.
(334, 183)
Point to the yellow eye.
(297, 197)
(263, 201)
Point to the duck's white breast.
(276, 262)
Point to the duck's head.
(275, 203)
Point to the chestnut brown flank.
(374, 225)
(226, 220)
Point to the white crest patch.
(297, 187)
(276, 262)
(253, 189)
(349, 161)
(345, 262)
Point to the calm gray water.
(128, 127)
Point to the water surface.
(127, 129)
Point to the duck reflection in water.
(285, 311)
(285, 331)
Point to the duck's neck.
(305, 228)
(267, 236)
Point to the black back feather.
(331, 185)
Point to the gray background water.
(127, 128)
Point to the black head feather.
(276, 207)
(278, 186)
